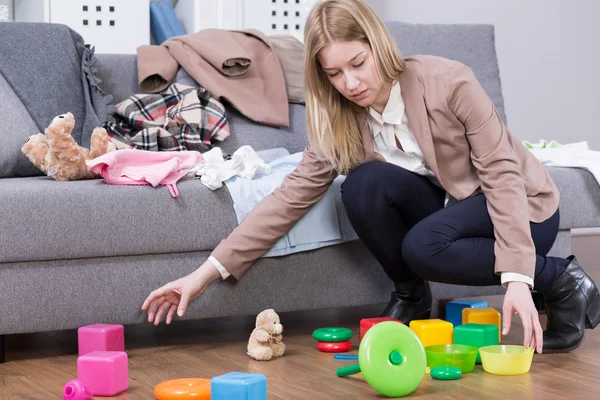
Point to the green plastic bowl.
(452, 355)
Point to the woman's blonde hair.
(333, 131)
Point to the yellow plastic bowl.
(506, 359)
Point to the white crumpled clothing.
(244, 163)
(572, 155)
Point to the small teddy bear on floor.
(58, 155)
(266, 341)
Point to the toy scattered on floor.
(104, 373)
(483, 316)
(239, 386)
(345, 357)
(102, 364)
(432, 331)
(477, 335)
(334, 347)
(451, 355)
(230, 386)
(57, 154)
(332, 334)
(368, 323)
(100, 337)
(445, 373)
(183, 389)
(454, 309)
(266, 340)
(76, 390)
(391, 358)
(506, 359)
(333, 339)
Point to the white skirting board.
(586, 232)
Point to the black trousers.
(400, 216)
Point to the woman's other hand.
(517, 300)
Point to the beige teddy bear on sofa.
(266, 341)
(58, 155)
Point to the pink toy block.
(104, 373)
(75, 390)
(100, 337)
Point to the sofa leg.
(2, 349)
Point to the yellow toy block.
(482, 316)
(433, 331)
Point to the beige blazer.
(240, 67)
(465, 143)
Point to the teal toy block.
(238, 386)
(454, 309)
(477, 335)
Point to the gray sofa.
(85, 252)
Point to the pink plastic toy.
(75, 390)
(104, 373)
(100, 337)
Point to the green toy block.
(477, 335)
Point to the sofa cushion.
(47, 220)
(17, 126)
(50, 77)
(261, 137)
(579, 194)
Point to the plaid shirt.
(180, 118)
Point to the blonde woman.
(437, 188)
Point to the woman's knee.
(368, 182)
(414, 248)
(422, 248)
(362, 179)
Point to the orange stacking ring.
(183, 389)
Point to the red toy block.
(367, 323)
(100, 337)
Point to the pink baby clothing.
(141, 167)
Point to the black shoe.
(410, 301)
(572, 305)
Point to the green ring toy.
(332, 334)
(446, 373)
(391, 359)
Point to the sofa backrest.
(472, 45)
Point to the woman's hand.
(517, 300)
(176, 295)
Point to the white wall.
(548, 53)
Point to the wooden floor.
(38, 365)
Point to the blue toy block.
(238, 386)
(454, 309)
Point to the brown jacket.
(465, 143)
(238, 66)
